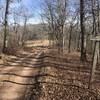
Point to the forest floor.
(40, 73)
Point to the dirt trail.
(16, 75)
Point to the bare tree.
(26, 16)
(5, 26)
(6, 23)
(83, 52)
(56, 17)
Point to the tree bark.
(70, 38)
(83, 53)
(5, 27)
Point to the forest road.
(18, 74)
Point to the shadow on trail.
(21, 72)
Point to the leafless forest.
(49, 49)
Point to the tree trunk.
(24, 32)
(83, 53)
(70, 38)
(5, 27)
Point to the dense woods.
(65, 43)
